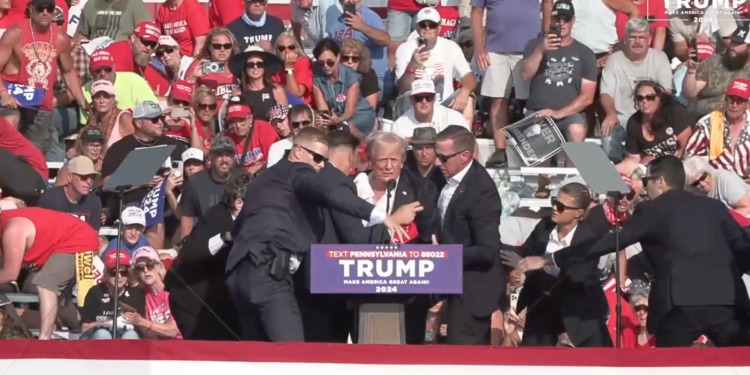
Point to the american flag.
(735, 159)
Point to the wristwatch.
(290, 71)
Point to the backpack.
(19, 179)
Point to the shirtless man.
(48, 241)
(29, 55)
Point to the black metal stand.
(618, 291)
(119, 191)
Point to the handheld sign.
(386, 269)
(27, 96)
(536, 139)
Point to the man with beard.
(29, 56)
(205, 189)
(706, 82)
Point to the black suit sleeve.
(484, 224)
(633, 230)
(195, 246)
(428, 196)
(307, 184)
(737, 239)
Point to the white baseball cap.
(133, 216)
(422, 86)
(192, 154)
(428, 14)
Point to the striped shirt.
(735, 158)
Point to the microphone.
(390, 187)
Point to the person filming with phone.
(180, 117)
(98, 309)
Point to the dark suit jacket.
(472, 219)
(282, 206)
(698, 251)
(576, 295)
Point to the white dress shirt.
(449, 189)
(363, 182)
(556, 244)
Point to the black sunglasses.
(428, 25)
(560, 206)
(467, 44)
(350, 58)
(565, 19)
(649, 97)
(297, 124)
(697, 182)
(255, 64)
(155, 120)
(204, 106)
(424, 98)
(643, 308)
(221, 46)
(290, 47)
(140, 267)
(148, 43)
(445, 158)
(49, 8)
(113, 272)
(105, 69)
(330, 63)
(180, 103)
(317, 158)
(164, 50)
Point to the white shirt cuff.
(215, 244)
(553, 260)
(377, 216)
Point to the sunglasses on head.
(220, 46)
(736, 100)
(350, 58)
(297, 124)
(428, 98)
(205, 106)
(164, 51)
(290, 47)
(649, 97)
(141, 267)
(560, 206)
(697, 182)
(330, 63)
(113, 272)
(104, 69)
(317, 158)
(148, 43)
(428, 25)
(255, 65)
(445, 158)
(467, 44)
(50, 8)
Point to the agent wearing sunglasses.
(98, 309)
(720, 184)
(263, 237)
(576, 291)
(679, 230)
(660, 126)
(37, 71)
(733, 151)
(299, 117)
(296, 78)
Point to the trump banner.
(392, 269)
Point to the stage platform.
(146, 357)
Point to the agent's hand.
(510, 258)
(531, 264)
(396, 229)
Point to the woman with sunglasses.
(98, 308)
(179, 117)
(211, 69)
(157, 322)
(176, 66)
(356, 56)
(634, 333)
(205, 104)
(336, 92)
(661, 126)
(254, 68)
(296, 78)
(564, 300)
(113, 122)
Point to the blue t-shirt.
(337, 29)
(510, 24)
(125, 246)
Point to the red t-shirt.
(188, 21)
(226, 13)
(448, 22)
(184, 133)
(264, 135)
(628, 316)
(56, 232)
(157, 308)
(629, 337)
(407, 5)
(13, 141)
(122, 53)
(10, 18)
(20, 6)
(159, 81)
(654, 9)
(302, 73)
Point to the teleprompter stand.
(138, 168)
(601, 177)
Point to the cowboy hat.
(237, 62)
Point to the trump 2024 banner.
(391, 269)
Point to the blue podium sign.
(386, 269)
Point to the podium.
(381, 280)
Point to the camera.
(213, 67)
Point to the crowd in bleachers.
(230, 87)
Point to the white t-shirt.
(441, 117)
(445, 64)
(277, 150)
